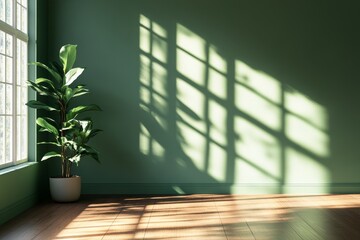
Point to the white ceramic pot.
(65, 189)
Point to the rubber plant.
(70, 134)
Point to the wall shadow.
(208, 115)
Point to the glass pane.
(18, 16)
(2, 42)
(9, 45)
(18, 137)
(8, 94)
(2, 98)
(18, 61)
(18, 104)
(9, 70)
(23, 143)
(8, 139)
(24, 3)
(2, 139)
(9, 12)
(2, 68)
(21, 138)
(24, 68)
(23, 100)
(24, 20)
(21, 18)
(2, 10)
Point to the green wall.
(20, 189)
(218, 96)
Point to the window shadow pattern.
(207, 112)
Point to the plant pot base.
(65, 189)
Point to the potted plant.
(69, 134)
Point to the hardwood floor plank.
(131, 222)
(28, 225)
(185, 218)
(59, 220)
(233, 219)
(223, 217)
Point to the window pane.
(18, 137)
(2, 98)
(9, 94)
(18, 96)
(18, 62)
(2, 10)
(9, 12)
(23, 100)
(21, 137)
(18, 16)
(21, 18)
(23, 143)
(9, 69)
(8, 139)
(2, 42)
(24, 64)
(21, 63)
(9, 45)
(2, 68)
(24, 20)
(2, 139)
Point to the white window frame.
(23, 36)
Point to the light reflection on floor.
(218, 217)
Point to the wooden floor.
(192, 217)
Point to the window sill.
(17, 167)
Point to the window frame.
(17, 35)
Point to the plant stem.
(68, 169)
(64, 168)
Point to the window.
(13, 76)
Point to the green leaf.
(85, 124)
(72, 75)
(63, 140)
(46, 125)
(87, 150)
(42, 90)
(57, 67)
(47, 81)
(94, 132)
(40, 105)
(50, 155)
(75, 158)
(52, 122)
(70, 143)
(49, 143)
(67, 56)
(95, 156)
(53, 73)
(78, 91)
(67, 128)
(38, 88)
(75, 111)
(68, 94)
